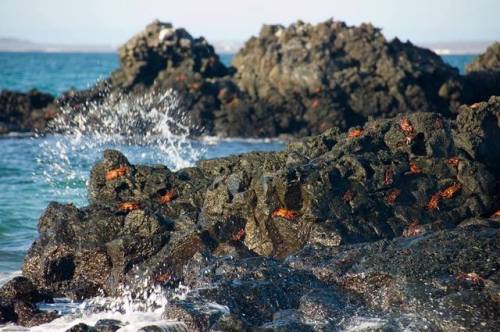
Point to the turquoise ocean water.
(35, 171)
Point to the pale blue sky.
(114, 21)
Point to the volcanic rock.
(483, 74)
(306, 78)
(18, 299)
(488, 61)
(409, 176)
(25, 112)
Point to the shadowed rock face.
(23, 112)
(483, 74)
(17, 303)
(410, 176)
(488, 61)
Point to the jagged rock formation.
(488, 61)
(406, 182)
(307, 78)
(299, 80)
(18, 299)
(163, 57)
(483, 74)
(25, 112)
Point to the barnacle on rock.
(116, 173)
(284, 213)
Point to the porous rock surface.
(390, 218)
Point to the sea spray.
(152, 128)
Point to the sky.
(112, 22)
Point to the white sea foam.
(150, 129)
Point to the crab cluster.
(447, 193)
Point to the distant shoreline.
(221, 47)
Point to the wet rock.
(304, 79)
(108, 325)
(81, 327)
(478, 132)
(18, 299)
(398, 204)
(420, 275)
(25, 112)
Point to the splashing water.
(149, 129)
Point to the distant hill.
(21, 45)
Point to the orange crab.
(284, 213)
(450, 191)
(355, 133)
(434, 202)
(453, 161)
(348, 196)
(412, 230)
(116, 173)
(439, 123)
(163, 278)
(496, 214)
(393, 195)
(406, 126)
(238, 235)
(414, 169)
(471, 277)
(168, 197)
(475, 106)
(315, 104)
(128, 206)
(388, 177)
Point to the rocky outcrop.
(298, 80)
(488, 61)
(329, 215)
(483, 74)
(18, 299)
(25, 112)
(306, 78)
